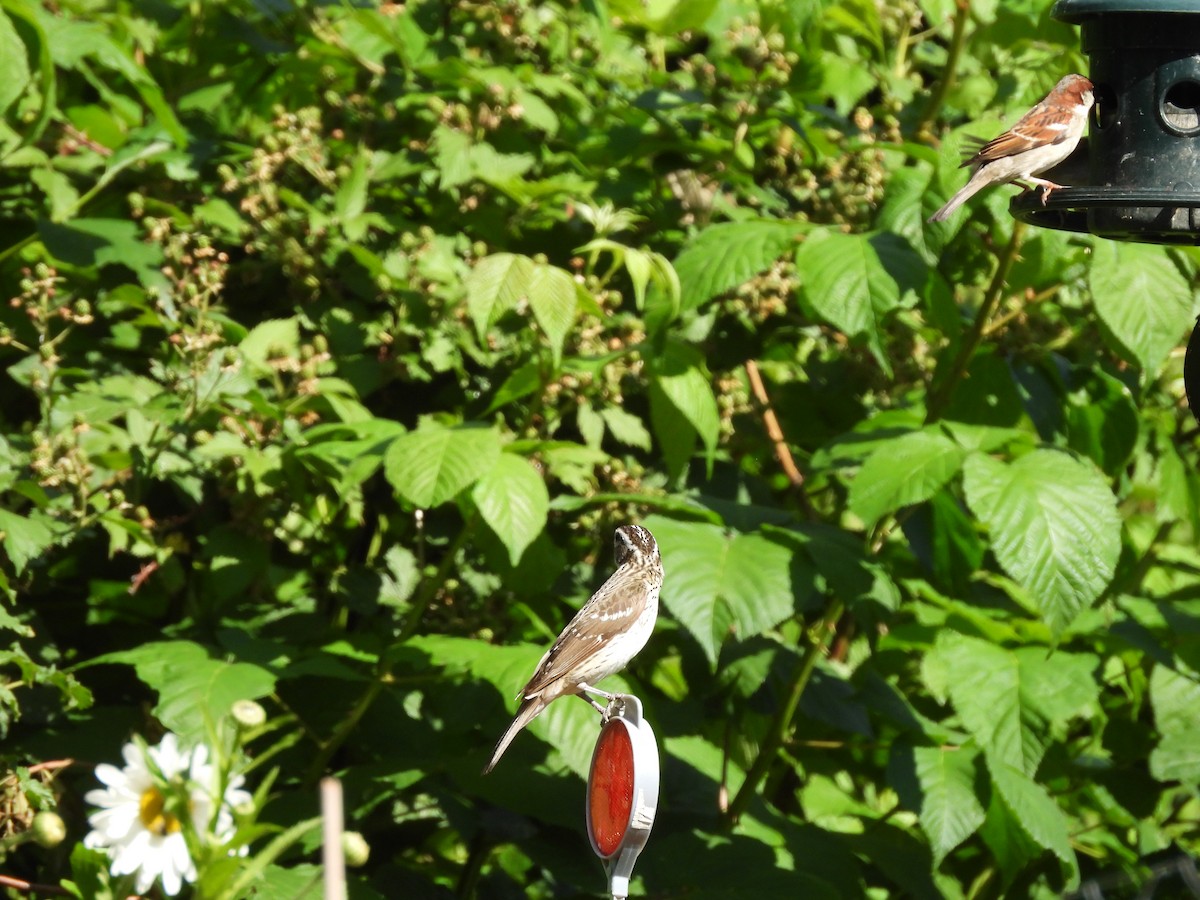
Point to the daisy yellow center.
(152, 810)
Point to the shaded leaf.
(195, 691)
(1037, 813)
(680, 376)
(846, 284)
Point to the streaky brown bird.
(607, 632)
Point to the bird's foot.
(586, 689)
(1047, 188)
(616, 706)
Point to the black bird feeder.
(1137, 176)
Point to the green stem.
(431, 585)
(939, 397)
(346, 727)
(383, 670)
(468, 880)
(938, 97)
(781, 724)
(265, 857)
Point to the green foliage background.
(341, 338)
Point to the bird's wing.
(1040, 126)
(610, 612)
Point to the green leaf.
(496, 284)
(676, 436)
(1053, 524)
(715, 577)
(1177, 757)
(904, 471)
(985, 688)
(24, 537)
(723, 256)
(1009, 700)
(521, 383)
(590, 425)
(553, 297)
(626, 427)
(513, 500)
(846, 284)
(195, 691)
(351, 197)
(1143, 299)
(1102, 423)
(950, 811)
(272, 339)
(1010, 844)
(103, 242)
(1037, 813)
(433, 464)
(1175, 697)
(680, 376)
(14, 64)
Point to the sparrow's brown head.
(635, 544)
(1074, 90)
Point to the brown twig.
(782, 452)
(144, 573)
(50, 765)
(19, 884)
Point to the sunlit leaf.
(1053, 524)
(513, 500)
(431, 465)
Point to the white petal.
(111, 775)
(172, 867)
(134, 855)
(133, 756)
(116, 824)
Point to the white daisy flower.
(138, 824)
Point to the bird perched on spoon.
(606, 633)
(1043, 138)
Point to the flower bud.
(248, 714)
(48, 829)
(355, 848)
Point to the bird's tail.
(529, 710)
(965, 193)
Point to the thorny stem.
(781, 724)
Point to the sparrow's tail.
(965, 193)
(530, 708)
